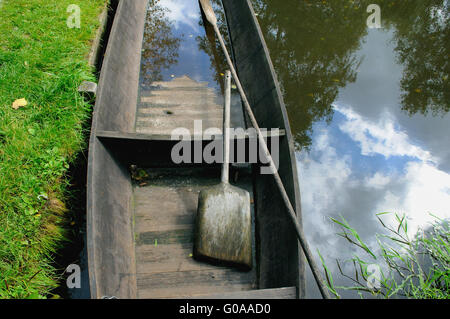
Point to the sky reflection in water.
(369, 112)
(373, 158)
(171, 44)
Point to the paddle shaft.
(262, 142)
(226, 125)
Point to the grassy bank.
(42, 62)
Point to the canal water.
(176, 43)
(369, 109)
(368, 105)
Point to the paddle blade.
(223, 228)
(208, 11)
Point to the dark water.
(176, 43)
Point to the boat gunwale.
(293, 179)
(120, 28)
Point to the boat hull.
(117, 238)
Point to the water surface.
(176, 43)
(369, 109)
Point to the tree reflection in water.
(422, 39)
(160, 45)
(211, 45)
(313, 46)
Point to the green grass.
(43, 61)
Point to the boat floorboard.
(176, 104)
(275, 293)
(164, 216)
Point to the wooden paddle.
(212, 19)
(223, 227)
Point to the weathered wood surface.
(250, 135)
(164, 217)
(112, 270)
(140, 238)
(176, 104)
(276, 293)
(280, 260)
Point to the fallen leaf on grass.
(19, 103)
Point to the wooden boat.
(141, 206)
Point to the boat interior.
(142, 203)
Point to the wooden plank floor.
(275, 293)
(165, 213)
(177, 104)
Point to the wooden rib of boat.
(140, 233)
